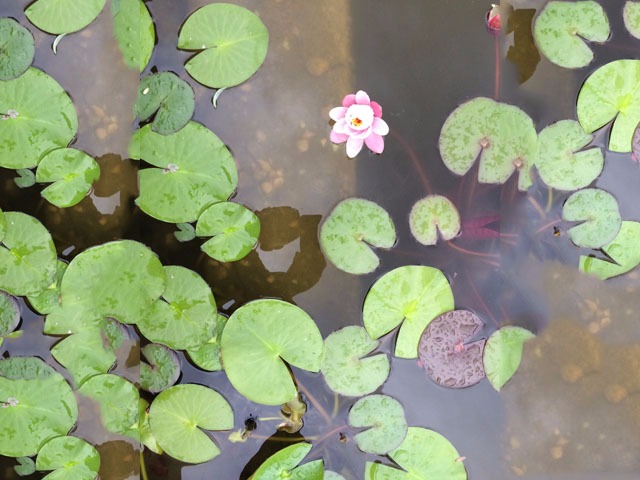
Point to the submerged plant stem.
(484, 305)
(414, 160)
(473, 252)
(537, 206)
(143, 468)
(496, 89)
(315, 403)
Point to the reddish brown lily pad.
(447, 353)
(635, 145)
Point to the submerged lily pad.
(195, 171)
(283, 463)
(47, 300)
(612, 92)
(207, 355)
(9, 314)
(447, 353)
(36, 116)
(413, 296)
(561, 28)
(258, 339)
(431, 215)
(351, 229)
(502, 135)
(18, 49)
(232, 44)
(598, 210)
(624, 249)
(558, 165)
(63, 16)
(385, 416)
(345, 367)
(502, 354)
(163, 369)
(169, 97)
(134, 31)
(177, 415)
(631, 16)
(69, 457)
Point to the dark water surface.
(571, 412)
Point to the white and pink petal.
(354, 145)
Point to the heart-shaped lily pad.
(431, 215)
(163, 368)
(36, 116)
(46, 301)
(447, 353)
(185, 316)
(73, 172)
(144, 428)
(631, 16)
(257, 341)
(169, 97)
(27, 256)
(177, 414)
(561, 28)
(9, 314)
(282, 464)
(232, 44)
(32, 394)
(207, 355)
(502, 354)
(612, 92)
(385, 416)
(598, 210)
(351, 229)
(234, 228)
(343, 366)
(134, 31)
(413, 296)
(624, 249)
(63, 16)
(26, 466)
(70, 458)
(18, 49)
(558, 165)
(195, 171)
(502, 135)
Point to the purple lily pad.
(446, 352)
(635, 145)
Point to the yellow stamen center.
(356, 122)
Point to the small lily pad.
(431, 215)
(631, 16)
(234, 228)
(282, 463)
(18, 49)
(185, 233)
(25, 179)
(624, 249)
(343, 366)
(598, 210)
(447, 353)
(9, 314)
(63, 16)
(258, 339)
(73, 172)
(561, 28)
(502, 354)
(413, 296)
(169, 97)
(385, 416)
(69, 457)
(232, 44)
(26, 466)
(134, 31)
(163, 369)
(47, 300)
(351, 229)
(207, 356)
(177, 415)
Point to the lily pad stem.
(143, 468)
(315, 403)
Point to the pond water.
(572, 410)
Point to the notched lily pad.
(502, 354)
(385, 416)
(282, 464)
(431, 215)
(598, 210)
(9, 314)
(18, 49)
(69, 457)
(624, 250)
(63, 16)
(351, 229)
(631, 16)
(47, 300)
(207, 355)
(448, 353)
(163, 368)
(134, 31)
(26, 466)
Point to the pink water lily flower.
(358, 122)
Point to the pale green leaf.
(431, 215)
(598, 210)
(502, 354)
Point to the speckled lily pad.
(431, 215)
(600, 216)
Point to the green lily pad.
(413, 296)
(431, 215)
(631, 16)
(27, 256)
(146, 436)
(624, 249)
(234, 228)
(309, 471)
(385, 416)
(232, 44)
(63, 16)
(69, 457)
(207, 355)
(502, 354)
(177, 414)
(598, 210)
(343, 366)
(73, 172)
(25, 179)
(37, 116)
(185, 316)
(3, 225)
(134, 31)
(37, 405)
(9, 314)
(612, 92)
(282, 464)
(349, 232)
(47, 300)
(163, 369)
(195, 171)
(559, 165)
(502, 135)
(26, 466)
(258, 339)
(561, 28)
(18, 49)
(169, 97)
